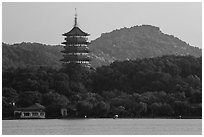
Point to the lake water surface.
(102, 127)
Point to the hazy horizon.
(45, 22)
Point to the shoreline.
(103, 118)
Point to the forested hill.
(124, 44)
(140, 42)
(30, 54)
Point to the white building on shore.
(34, 111)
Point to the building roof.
(76, 31)
(36, 106)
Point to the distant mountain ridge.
(140, 42)
(144, 41)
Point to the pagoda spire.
(75, 18)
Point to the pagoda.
(76, 49)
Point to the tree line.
(167, 86)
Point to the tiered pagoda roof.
(77, 49)
(75, 40)
(76, 31)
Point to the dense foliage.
(167, 86)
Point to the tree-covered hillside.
(167, 86)
(124, 44)
(30, 55)
(140, 42)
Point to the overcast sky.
(46, 22)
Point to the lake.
(102, 127)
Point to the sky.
(45, 22)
